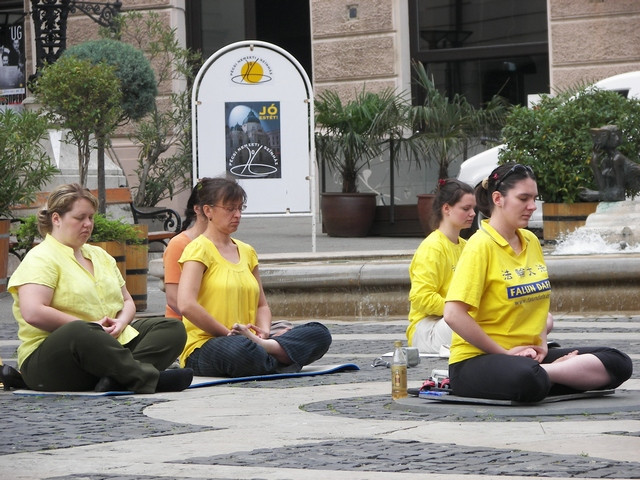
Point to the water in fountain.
(588, 242)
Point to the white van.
(478, 167)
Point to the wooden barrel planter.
(563, 218)
(4, 253)
(117, 251)
(137, 268)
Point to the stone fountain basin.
(377, 283)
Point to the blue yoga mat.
(199, 382)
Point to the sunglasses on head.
(517, 168)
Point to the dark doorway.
(213, 24)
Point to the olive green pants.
(75, 356)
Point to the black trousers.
(237, 356)
(75, 356)
(508, 377)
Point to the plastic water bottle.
(398, 372)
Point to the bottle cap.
(397, 343)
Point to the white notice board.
(253, 121)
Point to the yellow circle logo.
(252, 72)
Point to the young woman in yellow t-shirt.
(433, 265)
(498, 307)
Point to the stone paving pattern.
(49, 423)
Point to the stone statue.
(613, 172)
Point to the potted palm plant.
(448, 127)
(24, 169)
(554, 138)
(350, 135)
(344, 143)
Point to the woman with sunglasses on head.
(223, 304)
(433, 265)
(498, 305)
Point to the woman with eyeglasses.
(224, 308)
(433, 265)
(498, 305)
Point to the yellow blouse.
(75, 291)
(229, 291)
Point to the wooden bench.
(169, 218)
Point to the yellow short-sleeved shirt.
(508, 293)
(229, 291)
(75, 291)
(430, 272)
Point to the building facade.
(473, 47)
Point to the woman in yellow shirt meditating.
(498, 307)
(433, 265)
(75, 314)
(224, 307)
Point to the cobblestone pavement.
(52, 425)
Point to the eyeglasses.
(517, 168)
(232, 210)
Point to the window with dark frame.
(479, 48)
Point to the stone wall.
(592, 39)
(81, 28)
(359, 44)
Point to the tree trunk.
(102, 193)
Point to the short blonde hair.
(61, 201)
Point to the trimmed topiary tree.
(137, 88)
(83, 98)
(137, 80)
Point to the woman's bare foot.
(566, 357)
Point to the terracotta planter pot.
(563, 218)
(348, 214)
(425, 204)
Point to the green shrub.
(24, 164)
(106, 229)
(137, 80)
(553, 138)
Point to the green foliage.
(137, 80)
(449, 126)
(106, 229)
(554, 139)
(82, 97)
(24, 165)
(26, 233)
(164, 136)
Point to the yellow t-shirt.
(430, 272)
(508, 293)
(75, 291)
(229, 291)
